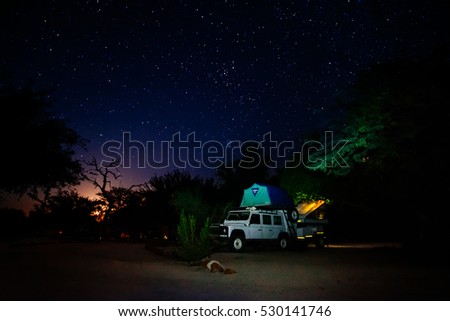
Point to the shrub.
(194, 242)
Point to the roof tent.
(266, 195)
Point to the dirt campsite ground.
(131, 271)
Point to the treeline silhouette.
(394, 121)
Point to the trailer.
(311, 223)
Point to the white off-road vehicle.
(267, 214)
(256, 224)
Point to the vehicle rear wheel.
(320, 242)
(237, 243)
(283, 242)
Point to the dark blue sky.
(226, 70)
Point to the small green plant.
(194, 240)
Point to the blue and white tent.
(266, 195)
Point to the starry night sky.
(226, 70)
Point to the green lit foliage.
(192, 203)
(166, 195)
(304, 185)
(193, 226)
(193, 238)
(301, 197)
(394, 117)
(395, 123)
(361, 140)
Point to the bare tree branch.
(103, 172)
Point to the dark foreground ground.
(128, 271)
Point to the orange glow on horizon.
(86, 189)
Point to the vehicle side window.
(255, 219)
(267, 220)
(277, 220)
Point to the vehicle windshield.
(238, 216)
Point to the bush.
(195, 243)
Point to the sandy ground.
(129, 271)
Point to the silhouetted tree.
(114, 199)
(100, 177)
(13, 224)
(126, 213)
(38, 147)
(66, 215)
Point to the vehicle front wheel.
(237, 243)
